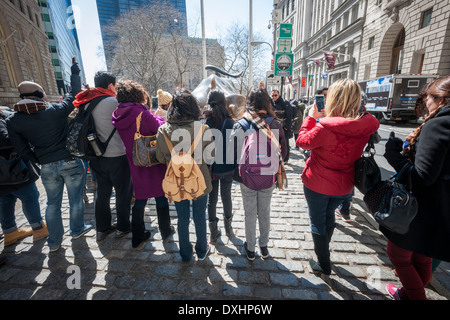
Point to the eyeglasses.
(274, 95)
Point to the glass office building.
(63, 44)
(108, 10)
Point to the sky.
(219, 15)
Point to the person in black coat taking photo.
(428, 151)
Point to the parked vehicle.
(393, 97)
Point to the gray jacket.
(102, 115)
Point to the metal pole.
(250, 60)
(205, 73)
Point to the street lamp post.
(205, 73)
(250, 49)
(257, 43)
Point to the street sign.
(284, 45)
(283, 64)
(276, 81)
(286, 30)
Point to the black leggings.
(226, 182)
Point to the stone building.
(368, 38)
(404, 36)
(24, 53)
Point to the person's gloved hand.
(75, 69)
(393, 149)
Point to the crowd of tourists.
(203, 151)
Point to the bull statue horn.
(219, 71)
(213, 83)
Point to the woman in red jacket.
(336, 138)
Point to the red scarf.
(88, 95)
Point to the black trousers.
(112, 173)
(226, 182)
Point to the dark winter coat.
(6, 148)
(285, 112)
(429, 232)
(220, 166)
(45, 130)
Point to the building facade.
(411, 37)
(63, 44)
(24, 53)
(108, 10)
(368, 38)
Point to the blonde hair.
(343, 99)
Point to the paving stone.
(112, 270)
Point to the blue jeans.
(321, 210)
(55, 175)
(29, 196)
(199, 214)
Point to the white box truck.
(393, 97)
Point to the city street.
(402, 130)
(111, 270)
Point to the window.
(55, 62)
(371, 42)
(426, 18)
(21, 6)
(30, 14)
(45, 17)
(37, 20)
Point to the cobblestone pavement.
(112, 270)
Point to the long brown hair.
(438, 89)
(259, 100)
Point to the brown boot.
(13, 237)
(40, 233)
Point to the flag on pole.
(303, 82)
(330, 60)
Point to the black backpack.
(82, 140)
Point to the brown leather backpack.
(184, 179)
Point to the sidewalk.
(112, 270)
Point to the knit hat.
(164, 98)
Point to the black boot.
(322, 250)
(139, 234)
(228, 228)
(214, 230)
(164, 223)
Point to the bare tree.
(143, 46)
(236, 43)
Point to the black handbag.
(393, 206)
(13, 170)
(367, 172)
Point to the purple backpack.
(258, 163)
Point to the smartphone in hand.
(320, 102)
